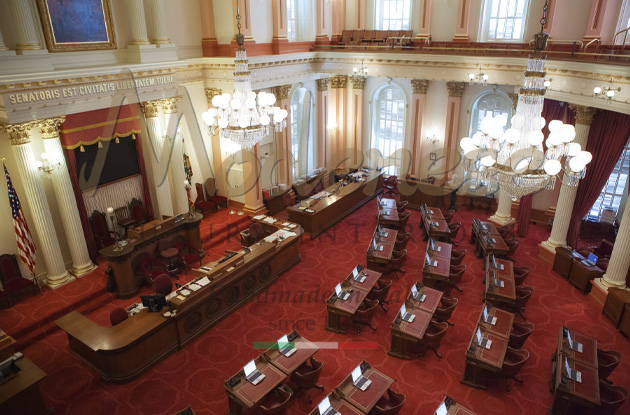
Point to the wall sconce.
(117, 246)
(606, 92)
(433, 139)
(478, 78)
(363, 70)
(47, 165)
(547, 83)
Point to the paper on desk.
(321, 194)
(259, 217)
(184, 292)
(282, 234)
(193, 286)
(204, 281)
(171, 295)
(270, 238)
(269, 220)
(286, 224)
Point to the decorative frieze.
(419, 86)
(583, 115)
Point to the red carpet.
(194, 376)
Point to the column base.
(502, 220)
(25, 61)
(255, 210)
(547, 252)
(151, 53)
(322, 40)
(210, 47)
(60, 281)
(79, 272)
(461, 39)
(598, 293)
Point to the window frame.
(379, 15)
(617, 192)
(291, 19)
(398, 162)
(484, 27)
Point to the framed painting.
(74, 25)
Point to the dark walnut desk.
(388, 213)
(434, 224)
(20, 394)
(419, 193)
(433, 275)
(123, 352)
(568, 263)
(378, 259)
(365, 400)
(341, 202)
(343, 407)
(500, 296)
(143, 241)
(338, 309)
(615, 302)
(276, 367)
(573, 397)
(454, 408)
(405, 335)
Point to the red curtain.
(552, 110)
(608, 136)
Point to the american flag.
(22, 234)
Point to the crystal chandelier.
(239, 117)
(515, 158)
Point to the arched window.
(504, 20)
(388, 126)
(302, 143)
(393, 14)
(490, 104)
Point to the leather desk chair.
(380, 292)
(603, 263)
(152, 267)
(162, 285)
(401, 241)
(124, 220)
(607, 361)
(455, 276)
(454, 228)
(395, 264)
(277, 401)
(448, 215)
(137, 211)
(169, 252)
(11, 278)
(306, 377)
(403, 218)
(444, 311)
(287, 199)
(512, 247)
(512, 364)
(432, 338)
(504, 231)
(390, 405)
(520, 333)
(256, 232)
(520, 273)
(611, 398)
(117, 316)
(401, 206)
(102, 234)
(363, 316)
(457, 256)
(523, 295)
(390, 185)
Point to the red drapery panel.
(608, 136)
(552, 110)
(71, 162)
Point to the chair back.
(162, 284)
(611, 397)
(390, 406)
(512, 245)
(211, 189)
(287, 199)
(454, 228)
(403, 218)
(368, 35)
(398, 257)
(401, 243)
(137, 212)
(307, 376)
(522, 296)
(520, 333)
(346, 35)
(200, 197)
(603, 263)
(117, 316)
(604, 250)
(164, 244)
(381, 290)
(357, 35)
(607, 361)
(444, 311)
(121, 213)
(434, 334)
(256, 232)
(276, 402)
(9, 270)
(391, 183)
(366, 310)
(514, 361)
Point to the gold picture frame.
(77, 25)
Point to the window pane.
(389, 134)
(614, 189)
(505, 19)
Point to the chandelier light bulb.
(547, 84)
(597, 90)
(485, 77)
(555, 125)
(610, 93)
(585, 155)
(535, 138)
(39, 164)
(45, 156)
(552, 167)
(465, 143)
(574, 149)
(471, 76)
(576, 164)
(487, 161)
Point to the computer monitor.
(432, 244)
(249, 368)
(485, 312)
(442, 410)
(323, 406)
(414, 290)
(374, 244)
(478, 336)
(7, 367)
(427, 259)
(403, 310)
(379, 231)
(283, 342)
(153, 302)
(355, 272)
(566, 366)
(569, 338)
(592, 258)
(356, 374)
(338, 289)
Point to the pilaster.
(424, 25)
(418, 104)
(463, 19)
(209, 38)
(176, 165)
(285, 157)
(455, 91)
(355, 124)
(279, 39)
(323, 133)
(338, 112)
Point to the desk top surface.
(304, 350)
(431, 301)
(417, 327)
(442, 269)
(589, 347)
(343, 407)
(502, 327)
(442, 249)
(493, 356)
(432, 213)
(29, 375)
(371, 277)
(247, 393)
(587, 390)
(350, 305)
(365, 400)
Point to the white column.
(23, 25)
(81, 262)
(503, 216)
(138, 22)
(564, 209)
(158, 162)
(617, 270)
(3, 47)
(57, 275)
(160, 34)
(176, 165)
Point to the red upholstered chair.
(401, 240)
(390, 185)
(607, 361)
(211, 193)
(523, 295)
(390, 405)
(520, 333)
(124, 219)
(455, 276)
(187, 253)
(276, 402)
(256, 232)
(380, 292)
(432, 338)
(454, 228)
(364, 314)
(448, 215)
(457, 256)
(505, 232)
(162, 284)
(401, 206)
(520, 273)
(306, 377)
(102, 234)
(512, 245)
(611, 398)
(11, 278)
(287, 199)
(170, 253)
(395, 264)
(512, 364)
(444, 311)
(152, 267)
(403, 218)
(201, 204)
(118, 315)
(603, 263)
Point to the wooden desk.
(454, 408)
(275, 203)
(304, 351)
(582, 274)
(244, 395)
(573, 397)
(341, 202)
(431, 301)
(624, 327)
(442, 249)
(144, 240)
(377, 260)
(589, 347)
(563, 261)
(304, 188)
(499, 296)
(439, 273)
(434, 224)
(123, 352)
(418, 193)
(502, 327)
(490, 244)
(388, 216)
(482, 362)
(615, 303)
(343, 407)
(480, 194)
(404, 334)
(365, 400)
(20, 393)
